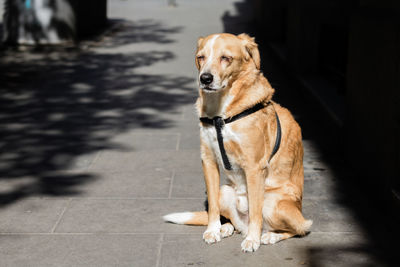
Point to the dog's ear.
(199, 41)
(251, 48)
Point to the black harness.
(218, 123)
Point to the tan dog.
(262, 189)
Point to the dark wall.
(353, 46)
(373, 99)
(91, 15)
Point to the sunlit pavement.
(96, 145)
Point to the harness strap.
(218, 123)
(278, 137)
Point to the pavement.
(98, 143)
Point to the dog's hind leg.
(273, 237)
(284, 219)
(289, 213)
(227, 230)
(228, 202)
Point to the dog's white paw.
(270, 238)
(250, 245)
(227, 230)
(212, 236)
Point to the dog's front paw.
(250, 245)
(227, 230)
(212, 236)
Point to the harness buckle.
(218, 122)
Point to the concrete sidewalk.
(96, 145)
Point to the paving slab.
(328, 216)
(132, 141)
(78, 163)
(142, 182)
(32, 215)
(112, 160)
(126, 216)
(190, 112)
(188, 184)
(316, 249)
(79, 250)
(189, 140)
(319, 185)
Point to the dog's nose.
(206, 78)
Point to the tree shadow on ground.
(58, 107)
(368, 206)
(122, 32)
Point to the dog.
(255, 140)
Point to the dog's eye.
(200, 57)
(225, 58)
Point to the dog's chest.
(209, 136)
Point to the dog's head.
(220, 58)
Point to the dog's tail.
(291, 214)
(300, 225)
(303, 228)
(190, 218)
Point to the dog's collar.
(218, 123)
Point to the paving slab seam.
(118, 198)
(335, 232)
(317, 198)
(98, 154)
(93, 160)
(320, 176)
(171, 184)
(152, 233)
(137, 198)
(317, 171)
(178, 141)
(93, 233)
(155, 132)
(151, 198)
(152, 133)
(161, 241)
(183, 113)
(61, 216)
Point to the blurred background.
(75, 76)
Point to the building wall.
(355, 45)
(373, 99)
